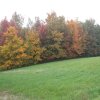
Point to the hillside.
(75, 79)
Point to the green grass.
(75, 79)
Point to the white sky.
(81, 9)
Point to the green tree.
(18, 21)
(55, 23)
(90, 37)
(54, 46)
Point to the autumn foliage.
(42, 41)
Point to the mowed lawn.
(75, 79)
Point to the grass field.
(75, 79)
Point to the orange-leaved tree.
(13, 51)
(76, 32)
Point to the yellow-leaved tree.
(34, 50)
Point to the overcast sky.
(81, 9)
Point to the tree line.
(49, 40)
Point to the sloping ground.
(76, 79)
